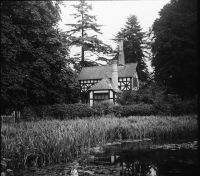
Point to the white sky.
(113, 16)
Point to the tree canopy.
(133, 38)
(84, 32)
(174, 47)
(34, 67)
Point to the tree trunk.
(82, 56)
(82, 48)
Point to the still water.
(132, 158)
(150, 158)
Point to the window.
(125, 83)
(100, 96)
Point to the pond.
(131, 158)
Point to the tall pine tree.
(133, 39)
(80, 34)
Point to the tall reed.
(46, 142)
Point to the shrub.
(28, 113)
(146, 95)
(103, 108)
(70, 111)
(57, 111)
(162, 103)
(133, 110)
(183, 107)
(35, 112)
(42, 111)
(162, 106)
(128, 98)
(175, 106)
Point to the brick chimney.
(121, 53)
(115, 75)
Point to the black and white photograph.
(99, 88)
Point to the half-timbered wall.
(86, 84)
(128, 83)
(125, 83)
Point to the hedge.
(71, 111)
(133, 110)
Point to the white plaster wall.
(111, 96)
(91, 97)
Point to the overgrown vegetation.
(47, 142)
(155, 99)
(174, 47)
(34, 67)
(72, 111)
(150, 100)
(37, 79)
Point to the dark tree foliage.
(133, 46)
(174, 47)
(80, 34)
(34, 68)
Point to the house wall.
(91, 98)
(111, 96)
(86, 84)
(125, 83)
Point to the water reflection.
(152, 170)
(133, 167)
(141, 160)
(137, 168)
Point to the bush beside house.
(71, 111)
(151, 100)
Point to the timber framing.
(124, 83)
(105, 83)
(87, 84)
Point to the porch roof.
(101, 85)
(104, 84)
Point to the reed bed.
(46, 142)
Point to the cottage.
(102, 83)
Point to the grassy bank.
(45, 142)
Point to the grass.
(47, 142)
